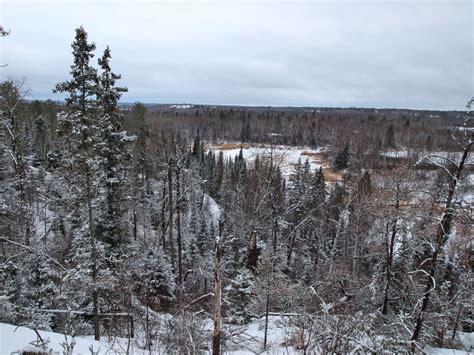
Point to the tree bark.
(390, 253)
(171, 212)
(134, 225)
(178, 226)
(253, 255)
(162, 216)
(442, 234)
(216, 339)
(95, 296)
(267, 308)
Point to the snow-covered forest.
(194, 229)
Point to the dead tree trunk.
(290, 247)
(171, 211)
(444, 228)
(162, 217)
(390, 251)
(216, 339)
(178, 226)
(253, 253)
(267, 308)
(275, 235)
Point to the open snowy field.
(286, 157)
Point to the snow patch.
(181, 106)
(465, 128)
(285, 157)
(213, 208)
(397, 154)
(16, 339)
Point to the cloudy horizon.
(399, 54)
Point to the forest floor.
(248, 339)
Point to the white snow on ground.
(466, 340)
(283, 156)
(465, 128)
(468, 200)
(397, 154)
(439, 157)
(438, 351)
(470, 179)
(246, 339)
(182, 106)
(249, 339)
(213, 208)
(467, 190)
(15, 339)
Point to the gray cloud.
(415, 54)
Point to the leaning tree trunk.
(442, 234)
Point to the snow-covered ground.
(466, 340)
(284, 156)
(398, 154)
(438, 157)
(213, 208)
(181, 106)
(14, 339)
(246, 339)
(467, 186)
(462, 128)
(470, 179)
(441, 158)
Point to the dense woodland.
(113, 216)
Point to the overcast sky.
(408, 54)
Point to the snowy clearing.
(181, 106)
(286, 157)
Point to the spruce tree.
(240, 297)
(342, 158)
(390, 137)
(82, 88)
(39, 147)
(317, 189)
(79, 130)
(112, 150)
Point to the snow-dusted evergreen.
(129, 223)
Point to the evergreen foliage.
(111, 211)
(341, 161)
